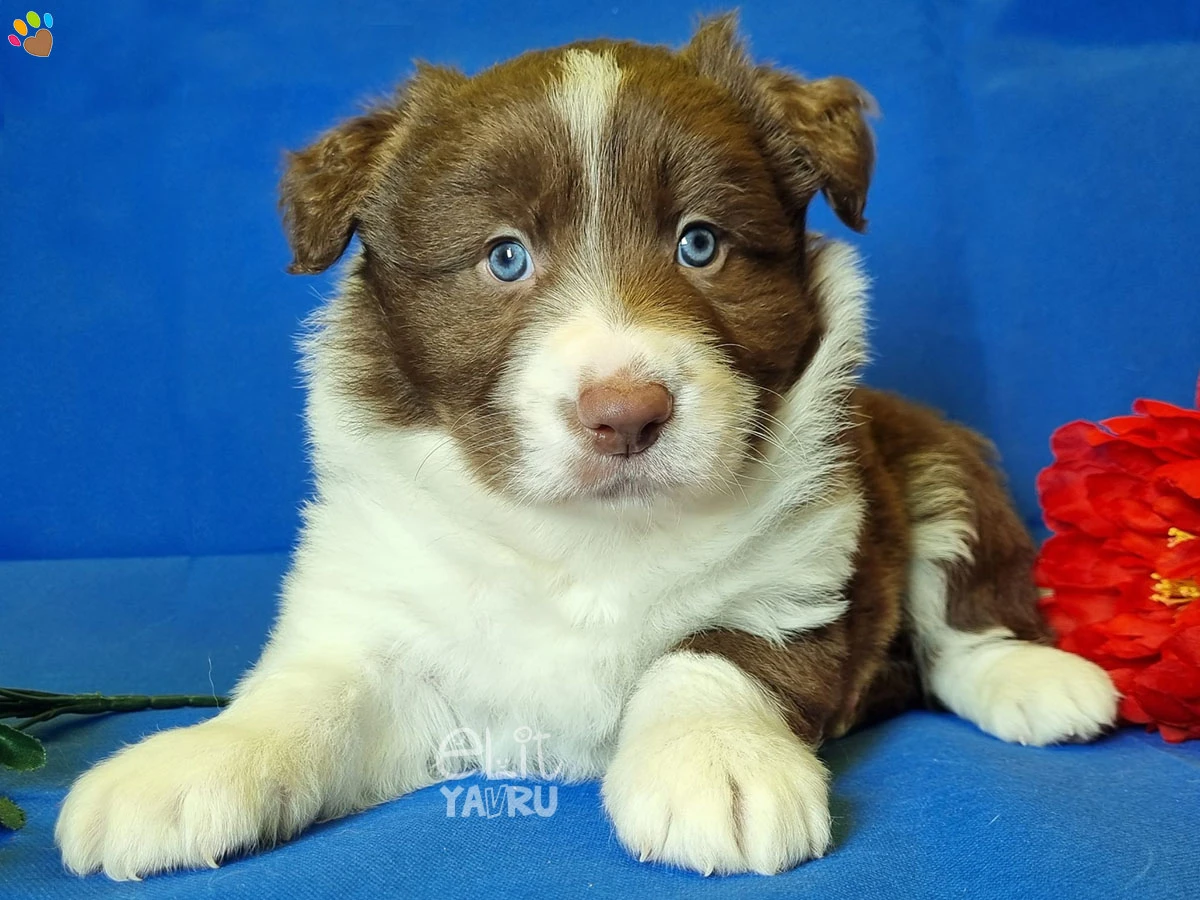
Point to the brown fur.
(913, 466)
(815, 131)
(952, 470)
(424, 338)
(705, 132)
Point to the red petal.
(1125, 652)
(1123, 426)
(1076, 439)
(1158, 409)
(1146, 547)
(1162, 707)
(1066, 502)
(1134, 631)
(1082, 607)
(1180, 561)
(1173, 735)
(1165, 438)
(1172, 679)
(1131, 710)
(1178, 436)
(1188, 617)
(1075, 560)
(1141, 462)
(1134, 624)
(1184, 648)
(1185, 475)
(1177, 508)
(1092, 643)
(1124, 501)
(1123, 679)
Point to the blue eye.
(509, 261)
(697, 246)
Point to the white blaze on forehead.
(584, 96)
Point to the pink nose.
(624, 417)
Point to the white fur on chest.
(525, 619)
(544, 617)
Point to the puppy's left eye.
(697, 246)
(510, 261)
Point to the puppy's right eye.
(697, 246)
(510, 261)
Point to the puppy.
(592, 462)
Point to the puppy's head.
(587, 264)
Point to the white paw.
(722, 786)
(181, 799)
(1027, 693)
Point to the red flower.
(1121, 573)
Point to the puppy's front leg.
(709, 776)
(317, 730)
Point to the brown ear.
(816, 131)
(325, 185)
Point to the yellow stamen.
(1174, 591)
(1176, 536)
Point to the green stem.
(41, 717)
(38, 706)
(19, 710)
(27, 694)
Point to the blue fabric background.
(1034, 241)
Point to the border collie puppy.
(593, 463)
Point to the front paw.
(724, 789)
(182, 799)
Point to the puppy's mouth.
(638, 417)
(635, 476)
(618, 425)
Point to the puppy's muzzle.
(624, 417)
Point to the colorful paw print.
(38, 43)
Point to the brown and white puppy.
(593, 464)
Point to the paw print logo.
(41, 40)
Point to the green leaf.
(11, 815)
(19, 750)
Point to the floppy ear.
(816, 131)
(827, 120)
(325, 185)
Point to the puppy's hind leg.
(972, 606)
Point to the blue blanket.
(925, 805)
